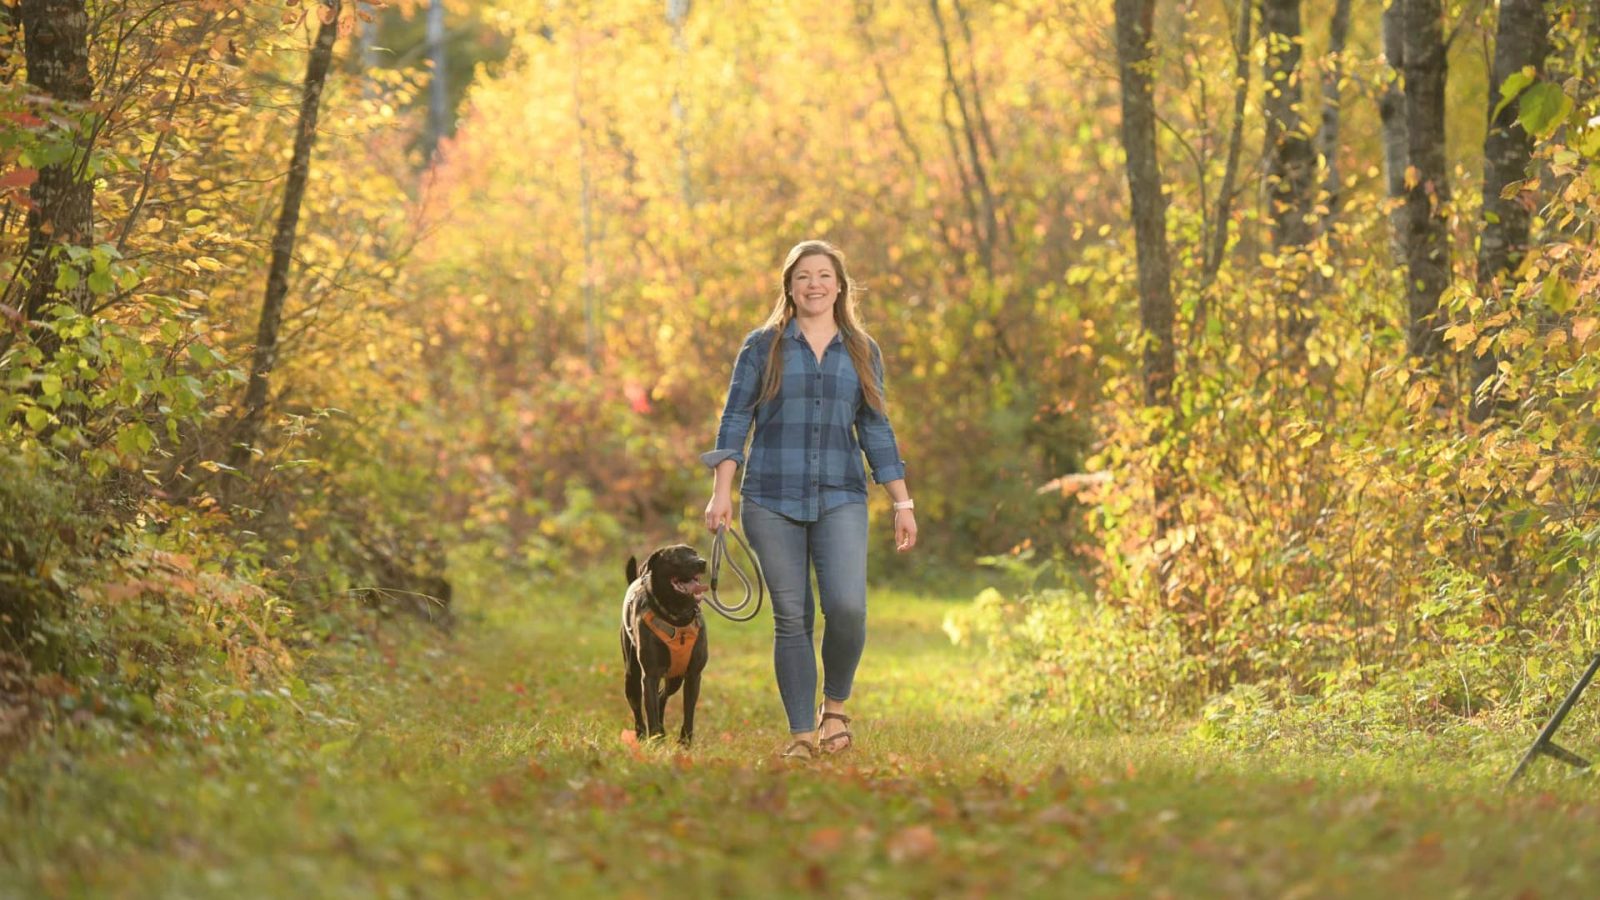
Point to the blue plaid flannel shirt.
(805, 456)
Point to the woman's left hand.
(905, 530)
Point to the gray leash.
(719, 552)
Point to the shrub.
(1072, 659)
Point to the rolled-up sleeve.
(739, 409)
(876, 435)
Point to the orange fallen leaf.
(913, 843)
(824, 841)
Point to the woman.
(810, 384)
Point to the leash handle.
(719, 552)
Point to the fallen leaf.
(910, 844)
(824, 841)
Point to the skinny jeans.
(836, 547)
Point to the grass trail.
(491, 765)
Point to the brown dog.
(664, 644)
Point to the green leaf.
(37, 419)
(134, 439)
(50, 384)
(67, 278)
(1543, 108)
(334, 749)
(1558, 295)
(1512, 87)
(202, 355)
(100, 282)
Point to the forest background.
(1250, 347)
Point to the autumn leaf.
(18, 178)
(1540, 476)
(910, 844)
(1461, 334)
(824, 841)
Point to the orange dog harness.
(680, 640)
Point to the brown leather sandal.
(801, 750)
(831, 743)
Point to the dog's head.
(675, 575)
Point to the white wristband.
(904, 504)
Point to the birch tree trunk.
(438, 81)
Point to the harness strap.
(680, 640)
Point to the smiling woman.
(807, 394)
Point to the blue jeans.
(836, 545)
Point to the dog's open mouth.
(694, 587)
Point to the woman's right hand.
(719, 511)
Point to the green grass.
(490, 764)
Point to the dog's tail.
(633, 570)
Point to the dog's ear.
(633, 570)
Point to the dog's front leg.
(631, 681)
(691, 695)
(653, 706)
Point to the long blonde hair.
(856, 340)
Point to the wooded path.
(490, 764)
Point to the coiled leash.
(719, 552)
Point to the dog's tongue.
(694, 587)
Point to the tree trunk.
(9, 23)
(986, 226)
(1287, 152)
(1428, 188)
(1392, 112)
(1521, 41)
(1290, 167)
(266, 352)
(1149, 209)
(56, 51)
(1230, 170)
(1149, 205)
(438, 82)
(677, 12)
(1328, 133)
